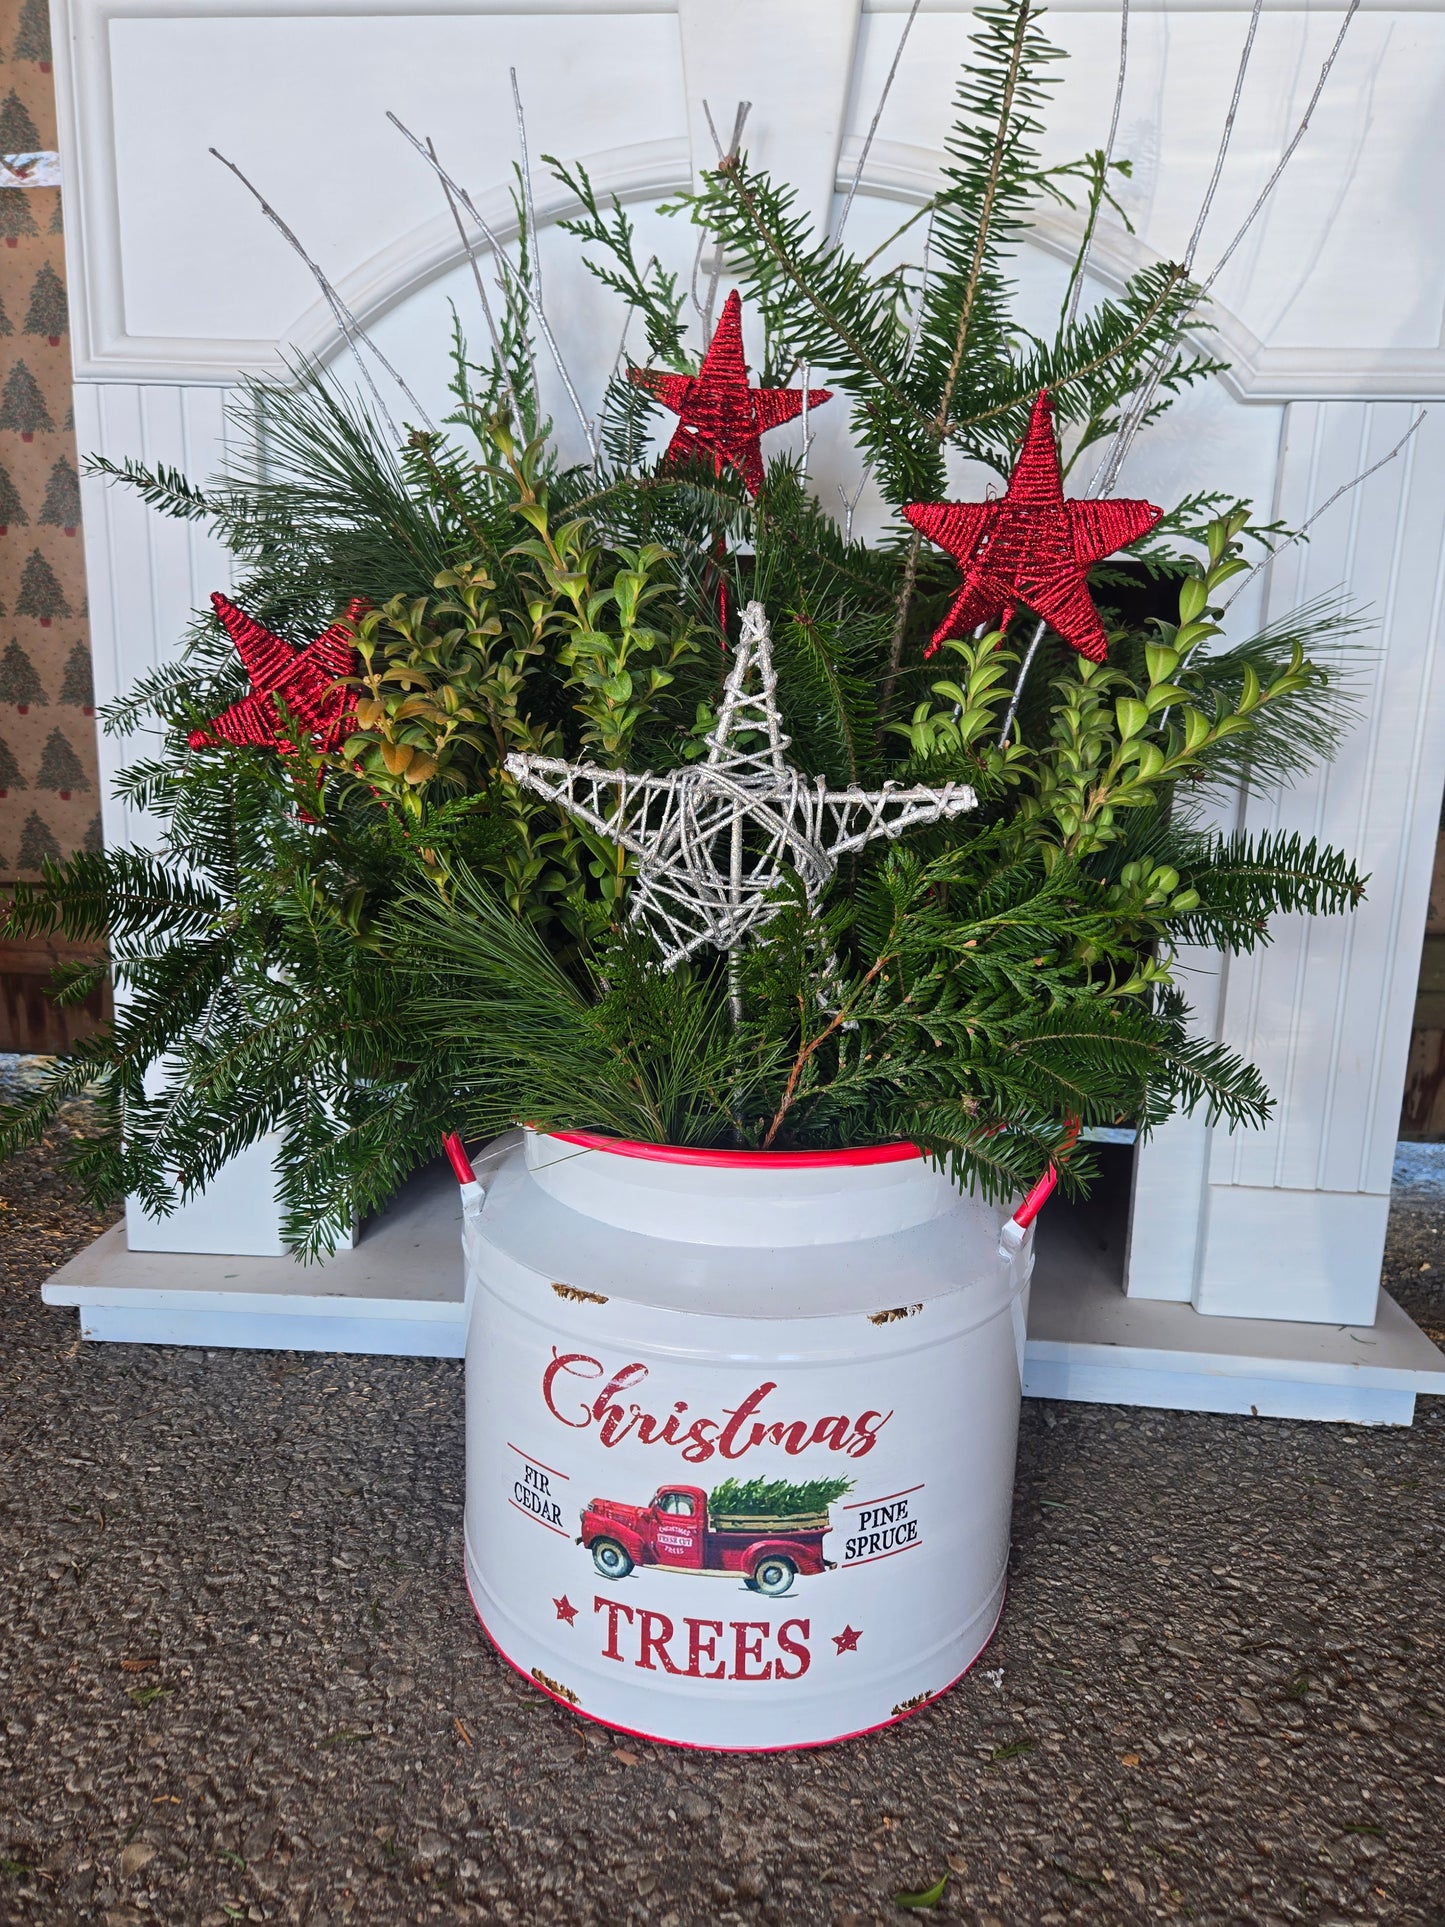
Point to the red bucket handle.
(457, 1158)
(1034, 1203)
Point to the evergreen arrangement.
(365, 943)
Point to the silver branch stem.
(1018, 689)
(867, 146)
(499, 253)
(1076, 287)
(1345, 488)
(740, 119)
(534, 255)
(352, 332)
(496, 340)
(1133, 421)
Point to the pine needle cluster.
(364, 949)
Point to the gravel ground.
(240, 1679)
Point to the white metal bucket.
(645, 1323)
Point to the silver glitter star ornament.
(712, 840)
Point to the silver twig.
(499, 253)
(867, 147)
(915, 327)
(1107, 473)
(1024, 667)
(534, 255)
(352, 332)
(740, 117)
(1310, 520)
(498, 355)
(850, 503)
(1135, 415)
(1287, 155)
(1225, 137)
(1124, 436)
(698, 308)
(1076, 286)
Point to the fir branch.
(992, 185)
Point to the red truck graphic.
(678, 1532)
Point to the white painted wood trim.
(813, 45)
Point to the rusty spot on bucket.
(579, 1297)
(883, 1317)
(555, 1686)
(907, 1706)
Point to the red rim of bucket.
(790, 1160)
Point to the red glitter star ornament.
(720, 414)
(1031, 546)
(307, 681)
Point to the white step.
(398, 1292)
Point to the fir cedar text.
(739, 1429)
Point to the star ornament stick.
(713, 840)
(308, 681)
(1031, 546)
(720, 415)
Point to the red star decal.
(1031, 547)
(720, 414)
(306, 680)
(847, 1640)
(565, 1609)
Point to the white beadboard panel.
(1326, 1010)
(144, 572)
(1308, 1256)
(1171, 1166)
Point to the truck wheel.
(610, 1559)
(773, 1576)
